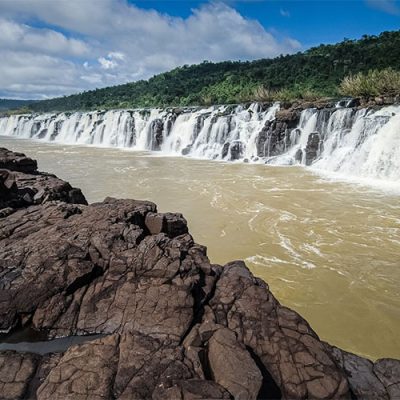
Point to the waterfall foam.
(364, 143)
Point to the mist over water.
(329, 250)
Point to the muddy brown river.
(329, 250)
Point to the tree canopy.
(318, 70)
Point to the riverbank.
(280, 221)
(175, 324)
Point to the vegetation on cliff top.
(317, 72)
(6, 104)
(372, 83)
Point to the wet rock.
(186, 150)
(225, 149)
(47, 187)
(273, 138)
(299, 156)
(20, 189)
(236, 150)
(16, 161)
(362, 380)
(157, 128)
(233, 151)
(353, 103)
(312, 148)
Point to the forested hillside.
(6, 104)
(316, 72)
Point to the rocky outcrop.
(274, 138)
(173, 325)
(21, 185)
(312, 147)
(157, 128)
(233, 151)
(16, 161)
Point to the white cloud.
(116, 55)
(23, 37)
(387, 6)
(110, 61)
(106, 42)
(29, 75)
(106, 63)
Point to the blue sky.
(51, 48)
(310, 21)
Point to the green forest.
(6, 104)
(317, 72)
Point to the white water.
(362, 144)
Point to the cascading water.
(362, 143)
(211, 133)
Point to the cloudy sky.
(54, 47)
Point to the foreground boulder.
(171, 324)
(16, 161)
(21, 185)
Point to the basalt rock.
(368, 380)
(312, 147)
(16, 161)
(233, 151)
(275, 135)
(186, 150)
(21, 185)
(157, 128)
(225, 353)
(173, 325)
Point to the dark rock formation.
(274, 138)
(21, 185)
(175, 326)
(157, 128)
(225, 354)
(16, 161)
(312, 148)
(186, 150)
(299, 156)
(233, 151)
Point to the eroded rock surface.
(16, 161)
(312, 148)
(21, 185)
(174, 325)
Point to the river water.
(330, 250)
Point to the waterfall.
(341, 139)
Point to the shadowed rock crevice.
(174, 325)
(84, 280)
(202, 292)
(269, 389)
